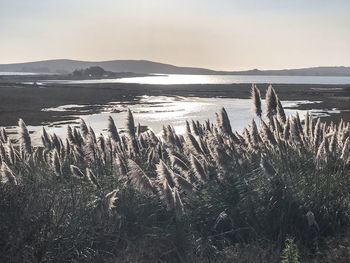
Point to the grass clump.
(211, 195)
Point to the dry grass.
(207, 196)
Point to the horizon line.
(198, 67)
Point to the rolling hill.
(148, 67)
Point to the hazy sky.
(218, 34)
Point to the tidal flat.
(29, 102)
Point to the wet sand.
(27, 101)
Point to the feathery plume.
(112, 130)
(278, 125)
(269, 137)
(70, 135)
(77, 137)
(298, 122)
(11, 153)
(89, 150)
(224, 122)
(3, 155)
(271, 102)
(166, 195)
(7, 176)
(333, 143)
(68, 147)
(111, 198)
(138, 129)
(130, 124)
(92, 134)
(164, 173)
(317, 135)
(321, 155)
(306, 124)
(188, 127)
(198, 169)
(207, 126)
(195, 128)
(286, 130)
(91, 177)
(346, 150)
(138, 178)
(46, 139)
(256, 101)
(56, 163)
(121, 165)
(193, 144)
(101, 143)
(24, 139)
(294, 129)
(254, 134)
(83, 128)
(56, 144)
(178, 164)
(3, 135)
(280, 111)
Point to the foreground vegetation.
(280, 190)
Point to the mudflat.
(26, 101)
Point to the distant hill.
(148, 67)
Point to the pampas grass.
(165, 174)
(7, 176)
(198, 169)
(169, 190)
(280, 111)
(138, 178)
(112, 130)
(111, 199)
(271, 102)
(91, 177)
(84, 128)
(130, 124)
(24, 139)
(255, 93)
(56, 163)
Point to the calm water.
(214, 79)
(17, 73)
(156, 111)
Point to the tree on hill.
(94, 71)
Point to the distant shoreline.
(66, 66)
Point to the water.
(24, 73)
(213, 79)
(156, 111)
(17, 73)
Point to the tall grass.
(133, 196)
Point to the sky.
(216, 34)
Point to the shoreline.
(26, 101)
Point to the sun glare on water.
(168, 79)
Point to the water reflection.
(175, 79)
(156, 111)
